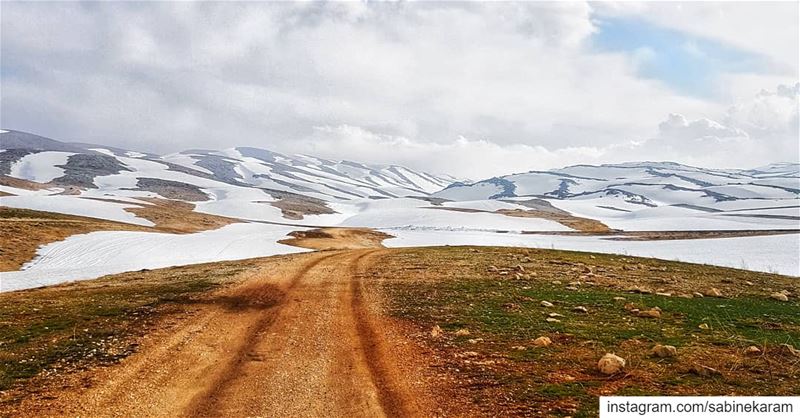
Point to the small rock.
(581, 309)
(542, 342)
(520, 268)
(503, 273)
(650, 313)
(519, 347)
(749, 283)
(575, 283)
(475, 340)
(556, 282)
(752, 351)
(697, 294)
(555, 315)
(546, 304)
(571, 288)
(704, 371)
(619, 298)
(610, 364)
(685, 296)
(553, 320)
(704, 326)
(779, 296)
(664, 351)
(667, 294)
(713, 292)
(526, 260)
(462, 332)
(436, 331)
(493, 268)
(518, 276)
(470, 354)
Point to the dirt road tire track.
(296, 339)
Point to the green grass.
(64, 328)
(454, 288)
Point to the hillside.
(202, 206)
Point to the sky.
(469, 89)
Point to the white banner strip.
(700, 406)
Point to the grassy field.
(47, 333)
(488, 303)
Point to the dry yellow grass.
(178, 217)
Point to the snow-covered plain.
(772, 254)
(96, 254)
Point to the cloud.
(471, 88)
(677, 127)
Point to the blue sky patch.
(684, 62)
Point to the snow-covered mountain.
(271, 194)
(644, 183)
(31, 157)
(258, 184)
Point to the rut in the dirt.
(298, 340)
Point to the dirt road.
(296, 339)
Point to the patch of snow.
(96, 254)
(75, 205)
(41, 166)
(774, 254)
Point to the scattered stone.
(697, 294)
(520, 268)
(704, 371)
(555, 315)
(650, 313)
(571, 288)
(749, 283)
(462, 332)
(685, 296)
(503, 273)
(518, 276)
(542, 342)
(556, 282)
(546, 304)
(779, 296)
(667, 294)
(752, 351)
(436, 331)
(713, 292)
(526, 260)
(493, 268)
(475, 340)
(619, 298)
(553, 320)
(575, 283)
(519, 348)
(470, 354)
(664, 351)
(610, 364)
(704, 326)
(581, 309)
